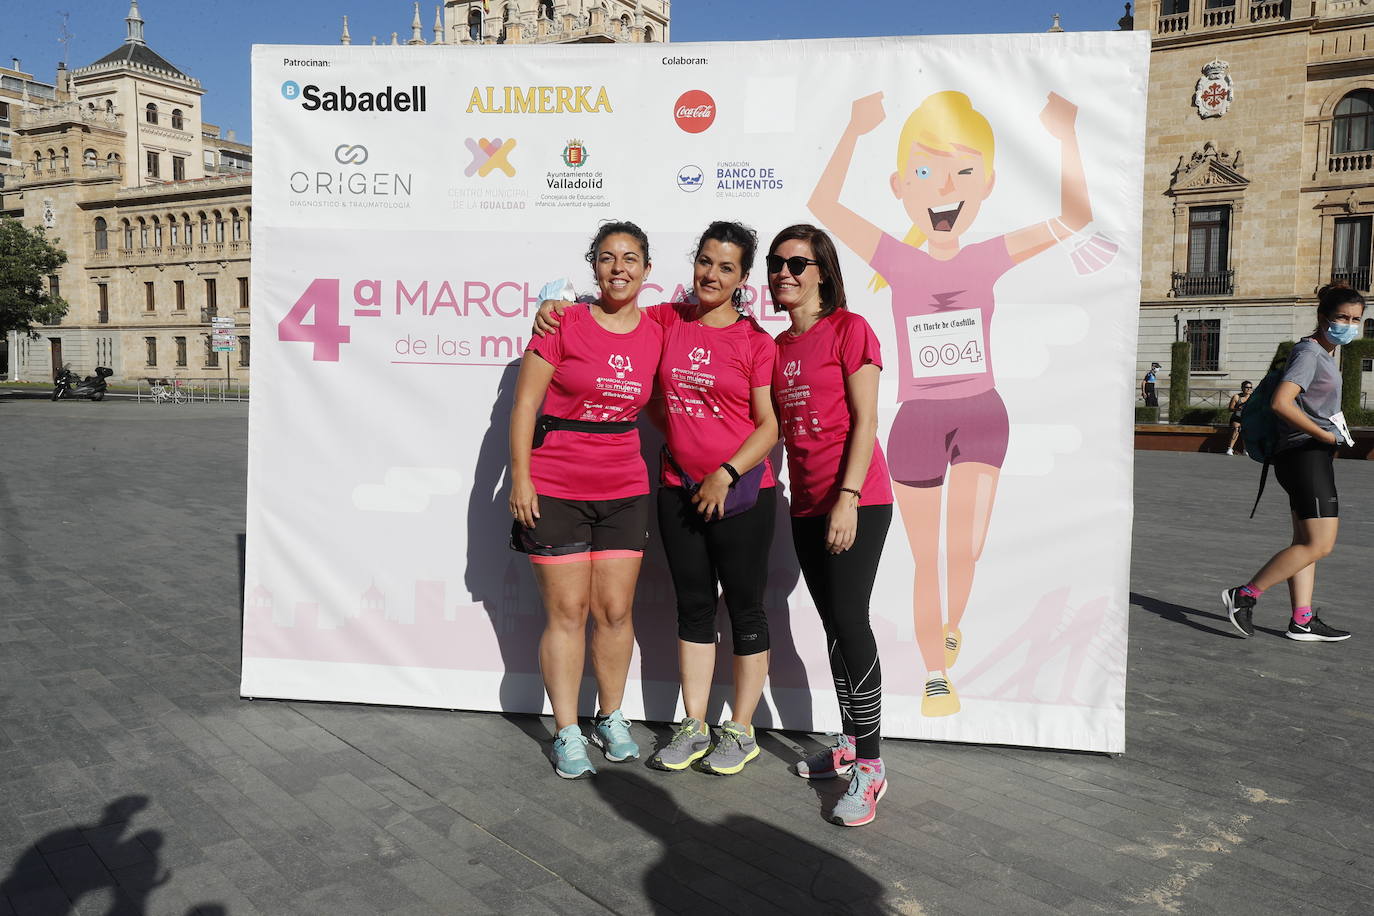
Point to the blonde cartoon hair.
(942, 122)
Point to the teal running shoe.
(691, 741)
(570, 754)
(859, 805)
(612, 735)
(735, 747)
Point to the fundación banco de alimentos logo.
(690, 178)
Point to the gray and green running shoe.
(735, 747)
(570, 754)
(691, 741)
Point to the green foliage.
(1145, 414)
(1205, 416)
(1352, 354)
(1180, 359)
(1280, 356)
(1359, 416)
(26, 259)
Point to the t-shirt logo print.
(791, 371)
(699, 356)
(621, 364)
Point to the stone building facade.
(154, 210)
(1259, 176)
(465, 22)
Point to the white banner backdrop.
(410, 202)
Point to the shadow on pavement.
(1184, 615)
(816, 880)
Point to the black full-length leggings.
(731, 551)
(841, 586)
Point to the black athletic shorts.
(1307, 473)
(579, 530)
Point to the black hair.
(743, 238)
(618, 227)
(827, 262)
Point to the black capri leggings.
(841, 586)
(1307, 474)
(731, 551)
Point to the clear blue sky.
(211, 41)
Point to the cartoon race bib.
(947, 343)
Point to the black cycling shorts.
(1308, 475)
(579, 530)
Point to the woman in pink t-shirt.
(580, 490)
(715, 408)
(952, 422)
(825, 384)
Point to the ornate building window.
(236, 225)
(89, 158)
(181, 351)
(1352, 127)
(177, 122)
(178, 168)
(1208, 190)
(102, 234)
(1208, 243)
(1350, 253)
(475, 25)
(154, 164)
(1204, 338)
(150, 345)
(157, 232)
(128, 235)
(204, 229)
(102, 301)
(142, 233)
(219, 227)
(179, 289)
(150, 113)
(149, 296)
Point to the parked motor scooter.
(92, 387)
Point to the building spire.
(345, 38)
(438, 25)
(1056, 27)
(135, 23)
(415, 38)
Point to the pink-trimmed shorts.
(929, 435)
(579, 530)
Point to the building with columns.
(466, 22)
(151, 205)
(1259, 176)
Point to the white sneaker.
(1229, 452)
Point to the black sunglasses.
(795, 264)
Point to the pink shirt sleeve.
(550, 346)
(856, 345)
(763, 354)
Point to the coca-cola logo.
(695, 111)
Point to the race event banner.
(410, 203)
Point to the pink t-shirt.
(808, 386)
(603, 377)
(707, 376)
(943, 311)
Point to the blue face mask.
(1342, 333)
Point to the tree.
(27, 258)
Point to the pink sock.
(875, 764)
(1252, 590)
(1301, 615)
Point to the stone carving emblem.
(1214, 92)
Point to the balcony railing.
(1171, 24)
(1217, 283)
(1354, 277)
(1351, 162)
(1268, 10)
(1224, 15)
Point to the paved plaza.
(133, 779)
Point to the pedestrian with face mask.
(1308, 404)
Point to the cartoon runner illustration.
(951, 423)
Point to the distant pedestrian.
(1237, 402)
(1308, 404)
(1147, 387)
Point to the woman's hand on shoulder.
(546, 320)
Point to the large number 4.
(325, 332)
(971, 353)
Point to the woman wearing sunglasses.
(1237, 402)
(717, 498)
(825, 383)
(1308, 404)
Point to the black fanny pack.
(547, 424)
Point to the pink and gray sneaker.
(829, 762)
(860, 804)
